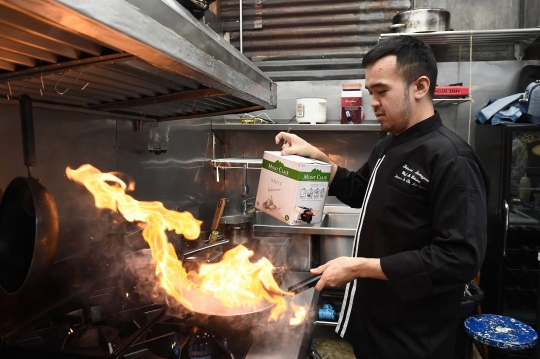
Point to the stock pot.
(421, 20)
(237, 229)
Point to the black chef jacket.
(423, 197)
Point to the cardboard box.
(292, 189)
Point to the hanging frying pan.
(28, 219)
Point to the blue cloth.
(500, 332)
(487, 113)
(510, 114)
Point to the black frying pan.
(28, 219)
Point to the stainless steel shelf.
(449, 101)
(295, 127)
(150, 59)
(519, 38)
(225, 163)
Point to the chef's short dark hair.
(414, 58)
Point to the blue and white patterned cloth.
(505, 109)
(500, 332)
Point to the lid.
(351, 86)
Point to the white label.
(300, 111)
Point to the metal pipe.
(245, 187)
(241, 28)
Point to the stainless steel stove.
(109, 322)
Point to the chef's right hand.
(295, 145)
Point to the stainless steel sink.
(263, 219)
(333, 223)
(334, 234)
(340, 220)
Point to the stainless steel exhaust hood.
(143, 58)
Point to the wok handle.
(27, 126)
(205, 247)
(305, 284)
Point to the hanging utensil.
(217, 217)
(28, 218)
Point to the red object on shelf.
(451, 91)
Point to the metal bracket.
(520, 47)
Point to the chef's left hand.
(343, 270)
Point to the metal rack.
(332, 126)
(229, 163)
(450, 101)
(519, 38)
(149, 59)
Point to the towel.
(508, 115)
(489, 111)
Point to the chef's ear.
(421, 87)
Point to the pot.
(28, 219)
(311, 110)
(237, 229)
(421, 20)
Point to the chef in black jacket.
(422, 229)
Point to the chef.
(422, 229)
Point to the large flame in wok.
(234, 285)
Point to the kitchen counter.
(280, 340)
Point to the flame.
(233, 286)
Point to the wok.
(140, 268)
(28, 219)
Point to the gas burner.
(111, 324)
(99, 339)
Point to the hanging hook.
(42, 84)
(10, 93)
(23, 86)
(56, 84)
(79, 75)
(143, 115)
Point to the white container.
(292, 189)
(311, 110)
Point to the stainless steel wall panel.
(180, 178)
(347, 149)
(62, 142)
(478, 15)
(309, 29)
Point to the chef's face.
(390, 98)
